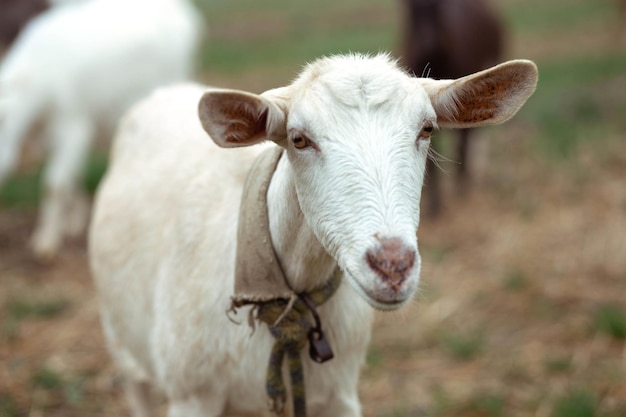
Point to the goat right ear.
(485, 98)
(236, 118)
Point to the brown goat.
(14, 14)
(447, 39)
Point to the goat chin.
(381, 302)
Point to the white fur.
(79, 66)
(163, 236)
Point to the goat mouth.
(371, 299)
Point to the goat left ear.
(235, 118)
(485, 98)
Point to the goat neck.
(305, 262)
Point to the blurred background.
(522, 308)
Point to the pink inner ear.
(242, 118)
(247, 123)
(480, 99)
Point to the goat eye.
(426, 132)
(301, 142)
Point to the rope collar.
(292, 328)
(258, 274)
(260, 281)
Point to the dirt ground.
(505, 323)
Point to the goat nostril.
(391, 260)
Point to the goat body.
(448, 39)
(355, 134)
(78, 67)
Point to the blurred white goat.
(354, 134)
(78, 67)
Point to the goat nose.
(391, 260)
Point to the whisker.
(438, 158)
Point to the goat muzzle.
(392, 261)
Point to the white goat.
(79, 66)
(355, 133)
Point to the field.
(522, 309)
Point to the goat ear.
(485, 98)
(236, 118)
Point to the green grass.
(558, 365)
(548, 16)
(21, 191)
(442, 401)
(20, 309)
(300, 12)
(610, 319)
(576, 403)
(74, 390)
(515, 280)
(8, 406)
(70, 389)
(239, 56)
(248, 35)
(292, 38)
(374, 359)
(398, 412)
(579, 72)
(437, 253)
(486, 404)
(569, 107)
(463, 346)
(96, 167)
(47, 379)
(480, 403)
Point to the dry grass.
(504, 324)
